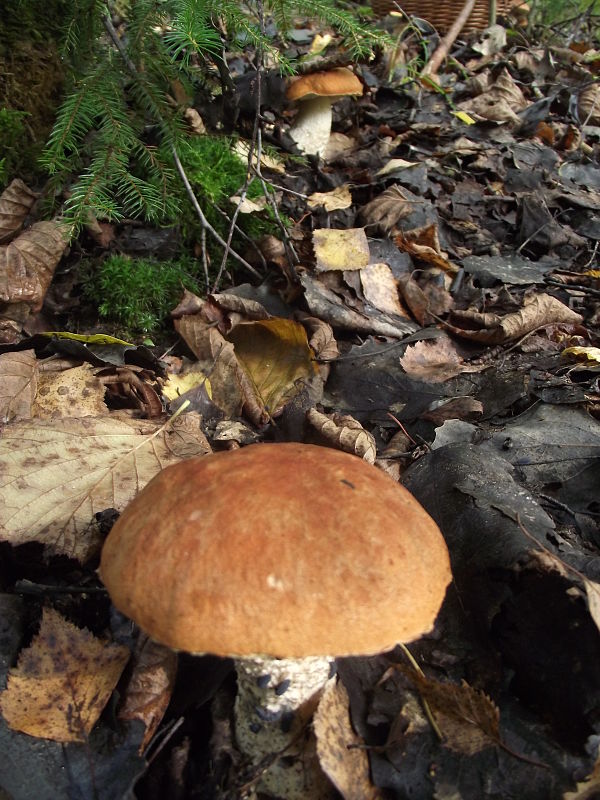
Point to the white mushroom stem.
(275, 700)
(312, 127)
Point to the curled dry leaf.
(339, 749)
(343, 432)
(320, 337)
(538, 310)
(16, 202)
(74, 392)
(150, 686)
(18, 384)
(423, 243)
(62, 681)
(55, 475)
(27, 264)
(340, 249)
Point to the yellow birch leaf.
(62, 681)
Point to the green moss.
(138, 293)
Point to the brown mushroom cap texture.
(334, 83)
(286, 550)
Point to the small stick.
(442, 51)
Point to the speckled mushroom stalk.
(276, 698)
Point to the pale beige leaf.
(55, 475)
(395, 165)
(340, 249)
(434, 361)
(589, 789)
(589, 105)
(27, 264)
(381, 289)
(339, 750)
(74, 392)
(18, 384)
(15, 203)
(592, 591)
(337, 199)
(62, 681)
(343, 432)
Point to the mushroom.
(317, 92)
(281, 556)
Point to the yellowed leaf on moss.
(275, 355)
(62, 681)
(346, 766)
(340, 249)
(18, 384)
(55, 475)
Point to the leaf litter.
(446, 261)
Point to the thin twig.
(443, 49)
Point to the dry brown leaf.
(62, 681)
(18, 384)
(415, 298)
(589, 105)
(468, 719)
(150, 686)
(321, 338)
(498, 103)
(27, 264)
(16, 202)
(453, 408)
(74, 392)
(423, 243)
(340, 249)
(276, 357)
(380, 289)
(337, 199)
(434, 361)
(386, 210)
(343, 432)
(55, 475)
(339, 749)
(538, 310)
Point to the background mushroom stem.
(275, 700)
(312, 127)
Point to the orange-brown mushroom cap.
(337, 82)
(285, 550)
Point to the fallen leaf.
(585, 355)
(16, 202)
(423, 243)
(74, 392)
(395, 165)
(62, 681)
(18, 384)
(538, 310)
(589, 789)
(275, 355)
(27, 264)
(150, 685)
(343, 432)
(337, 199)
(339, 749)
(453, 408)
(592, 591)
(387, 209)
(55, 475)
(177, 385)
(340, 249)
(434, 361)
(380, 289)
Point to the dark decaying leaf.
(15, 203)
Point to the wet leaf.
(275, 355)
(339, 750)
(55, 475)
(18, 384)
(62, 681)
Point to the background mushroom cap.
(334, 83)
(285, 550)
